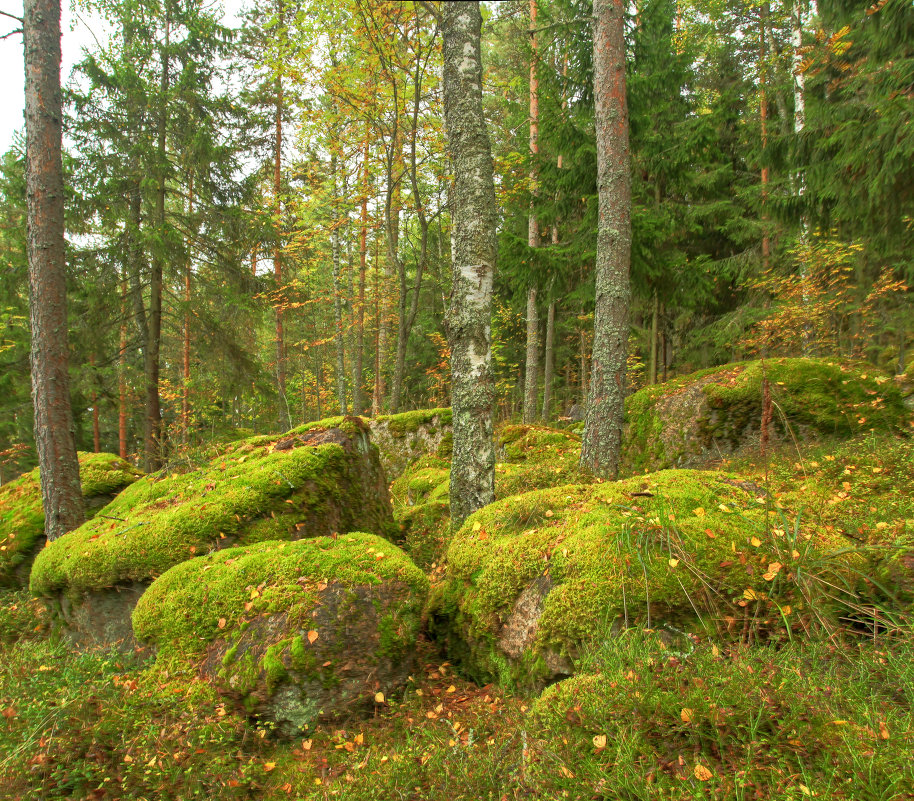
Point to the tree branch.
(11, 33)
(11, 16)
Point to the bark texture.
(54, 430)
(473, 246)
(531, 369)
(605, 401)
(549, 362)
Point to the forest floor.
(645, 718)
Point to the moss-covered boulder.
(405, 438)
(532, 579)
(103, 475)
(297, 632)
(529, 457)
(695, 420)
(308, 482)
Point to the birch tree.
(473, 245)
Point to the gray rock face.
(101, 619)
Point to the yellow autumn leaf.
(221, 623)
(599, 742)
(686, 715)
(379, 698)
(312, 636)
(702, 773)
(756, 542)
(673, 562)
(699, 511)
(268, 766)
(477, 525)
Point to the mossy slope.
(309, 482)
(102, 475)
(696, 419)
(297, 631)
(532, 578)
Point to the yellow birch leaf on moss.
(756, 542)
(702, 773)
(477, 525)
(673, 562)
(312, 636)
(699, 511)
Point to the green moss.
(251, 491)
(702, 416)
(102, 476)
(400, 425)
(226, 595)
(688, 548)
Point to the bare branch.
(11, 16)
(11, 33)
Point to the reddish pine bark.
(54, 430)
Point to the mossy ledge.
(102, 475)
(305, 483)
(295, 632)
(695, 420)
(532, 579)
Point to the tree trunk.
(549, 362)
(655, 315)
(153, 432)
(763, 119)
(122, 376)
(533, 236)
(337, 298)
(277, 246)
(55, 436)
(358, 378)
(473, 241)
(605, 410)
(185, 390)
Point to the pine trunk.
(185, 394)
(605, 410)
(284, 422)
(473, 217)
(122, 376)
(55, 438)
(338, 300)
(153, 430)
(358, 377)
(549, 362)
(533, 236)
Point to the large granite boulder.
(295, 632)
(309, 482)
(531, 580)
(102, 475)
(699, 419)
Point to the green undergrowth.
(699, 418)
(105, 726)
(862, 488)
(250, 492)
(702, 550)
(102, 476)
(810, 720)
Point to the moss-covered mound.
(533, 578)
(102, 475)
(296, 631)
(530, 457)
(306, 483)
(697, 419)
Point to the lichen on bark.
(473, 246)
